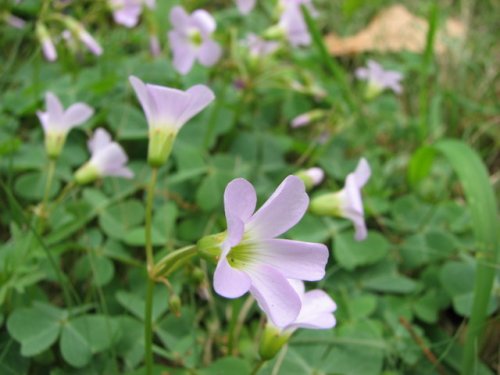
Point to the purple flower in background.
(191, 39)
(48, 47)
(107, 159)
(316, 174)
(89, 41)
(167, 110)
(292, 21)
(347, 202)
(57, 122)
(245, 6)
(379, 79)
(306, 118)
(259, 47)
(252, 259)
(14, 21)
(317, 309)
(154, 45)
(126, 12)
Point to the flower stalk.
(148, 313)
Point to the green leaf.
(227, 365)
(86, 335)
(36, 328)
(32, 186)
(117, 220)
(351, 253)
(390, 284)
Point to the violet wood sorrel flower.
(259, 47)
(292, 21)
(347, 202)
(48, 47)
(57, 122)
(316, 313)
(253, 260)
(126, 12)
(191, 39)
(379, 79)
(107, 159)
(167, 110)
(245, 6)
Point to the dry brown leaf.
(395, 29)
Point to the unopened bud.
(174, 303)
(311, 176)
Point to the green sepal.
(271, 342)
(161, 141)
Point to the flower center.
(195, 37)
(241, 255)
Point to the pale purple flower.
(167, 110)
(316, 312)
(347, 202)
(259, 47)
(14, 21)
(292, 21)
(48, 47)
(151, 4)
(253, 260)
(90, 42)
(245, 6)
(316, 174)
(107, 156)
(191, 39)
(57, 122)
(350, 198)
(379, 78)
(306, 118)
(126, 12)
(301, 120)
(154, 45)
(170, 108)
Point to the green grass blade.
(482, 203)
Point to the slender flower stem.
(148, 326)
(48, 183)
(148, 313)
(149, 210)
(258, 366)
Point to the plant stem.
(48, 183)
(148, 326)
(148, 313)
(258, 367)
(148, 221)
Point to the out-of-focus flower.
(316, 313)
(252, 259)
(107, 159)
(57, 122)
(13, 21)
(292, 21)
(48, 47)
(306, 118)
(311, 176)
(309, 88)
(245, 6)
(191, 39)
(154, 45)
(259, 47)
(347, 202)
(379, 79)
(83, 35)
(167, 110)
(126, 12)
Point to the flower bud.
(271, 342)
(174, 303)
(311, 176)
(326, 205)
(48, 48)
